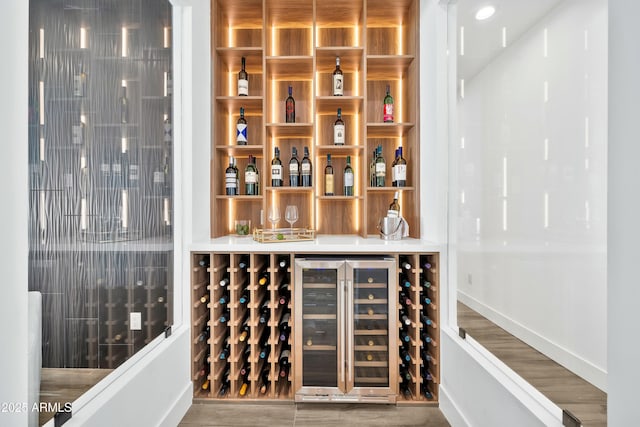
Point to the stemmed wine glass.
(291, 215)
(274, 216)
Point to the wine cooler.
(346, 334)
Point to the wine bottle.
(204, 334)
(380, 168)
(394, 209)
(124, 106)
(404, 317)
(237, 175)
(231, 179)
(276, 169)
(294, 168)
(424, 387)
(400, 169)
(405, 282)
(205, 384)
(226, 315)
(372, 168)
(263, 279)
(306, 176)
(265, 312)
(328, 177)
(204, 371)
(425, 320)
(225, 298)
(348, 178)
(243, 80)
(226, 350)
(405, 390)
(394, 182)
(426, 338)
(241, 129)
(404, 335)
(243, 263)
(265, 347)
(80, 82)
(244, 297)
(251, 179)
(226, 383)
(290, 107)
(425, 299)
(338, 79)
(406, 265)
(405, 300)
(387, 115)
(338, 129)
(404, 373)
(204, 262)
(404, 354)
(225, 281)
(283, 293)
(205, 298)
(264, 377)
(283, 362)
(426, 284)
(283, 262)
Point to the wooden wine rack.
(205, 281)
(296, 42)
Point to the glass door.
(319, 342)
(371, 333)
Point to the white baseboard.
(559, 354)
(450, 410)
(180, 407)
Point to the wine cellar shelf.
(243, 329)
(295, 44)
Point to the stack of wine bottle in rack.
(418, 334)
(242, 326)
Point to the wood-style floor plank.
(587, 402)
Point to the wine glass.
(291, 215)
(274, 216)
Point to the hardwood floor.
(561, 386)
(62, 385)
(311, 414)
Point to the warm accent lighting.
(124, 145)
(125, 209)
(166, 37)
(41, 43)
(83, 38)
(83, 214)
(485, 12)
(124, 42)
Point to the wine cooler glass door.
(320, 329)
(372, 342)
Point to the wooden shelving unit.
(287, 42)
(209, 268)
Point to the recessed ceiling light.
(485, 12)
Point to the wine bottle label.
(276, 172)
(388, 113)
(338, 134)
(76, 134)
(348, 179)
(230, 180)
(392, 213)
(337, 84)
(381, 169)
(158, 177)
(241, 134)
(401, 172)
(328, 184)
(394, 177)
(250, 177)
(243, 87)
(306, 168)
(293, 168)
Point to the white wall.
(624, 213)
(14, 212)
(531, 194)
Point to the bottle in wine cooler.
(205, 370)
(338, 79)
(426, 284)
(306, 176)
(348, 178)
(394, 208)
(124, 105)
(265, 349)
(338, 129)
(251, 178)
(231, 179)
(404, 373)
(424, 387)
(400, 169)
(328, 178)
(404, 282)
(276, 169)
(290, 107)
(426, 338)
(242, 131)
(425, 300)
(380, 168)
(243, 79)
(405, 390)
(294, 168)
(387, 113)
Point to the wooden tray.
(281, 235)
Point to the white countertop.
(328, 244)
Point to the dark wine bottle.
(283, 262)
(225, 316)
(226, 383)
(205, 298)
(400, 169)
(405, 300)
(265, 312)
(264, 378)
(243, 80)
(394, 182)
(404, 335)
(404, 355)
(294, 168)
(380, 168)
(306, 176)
(328, 178)
(245, 331)
(225, 281)
(406, 265)
(243, 264)
(283, 362)
(225, 298)
(387, 113)
(404, 317)
(290, 107)
(204, 334)
(283, 293)
(231, 179)
(226, 350)
(348, 178)
(263, 279)
(204, 261)
(276, 169)
(251, 178)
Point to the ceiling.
(483, 39)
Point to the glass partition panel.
(100, 156)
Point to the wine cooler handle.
(341, 341)
(351, 330)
